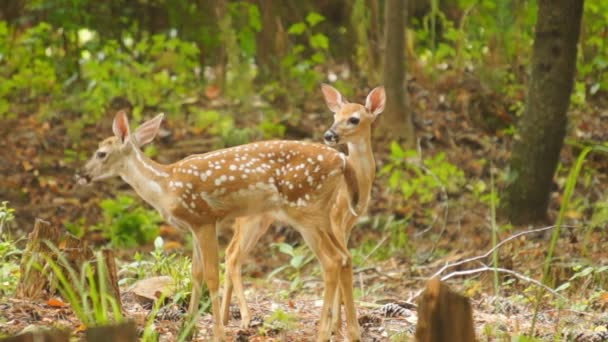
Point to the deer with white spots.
(295, 181)
(352, 126)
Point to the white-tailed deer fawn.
(352, 126)
(293, 180)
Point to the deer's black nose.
(330, 136)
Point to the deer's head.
(351, 119)
(113, 153)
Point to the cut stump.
(444, 315)
(37, 280)
(124, 332)
(33, 281)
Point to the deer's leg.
(209, 257)
(197, 280)
(330, 257)
(346, 282)
(248, 231)
(337, 225)
(232, 253)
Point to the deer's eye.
(101, 155)
(353, 120)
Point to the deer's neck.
(147, 178)
(362, 158)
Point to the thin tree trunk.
(268, 43)
(542, 128)
(396, 122)
(374, 48)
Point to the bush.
(127, 224)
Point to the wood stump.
(444, 315)
(37, 278)
(124, 332)
(33, 281)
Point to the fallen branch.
(485, 255)
(485, 268)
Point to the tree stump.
(33, 281)
(37, 278)
(444, 315)
(124, 332)
(111, 276)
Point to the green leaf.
(254, 18)
(297, 29)
(297, 261)
(285, 248)
(277, 271)
(313, 18)
(396, 150)
(319, 41)
(563, 286)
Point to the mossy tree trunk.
(542, 127)
(396, 122)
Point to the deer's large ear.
(146, 132)
(375, 101)
(333, 98)
(120, 126)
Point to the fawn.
(295, 181)
(352, 125)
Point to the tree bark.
(444, 315)
(542, 128)
(270, 40)
(396, 122)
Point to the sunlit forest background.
(460, 79)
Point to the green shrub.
(126, 223)
(422, 180)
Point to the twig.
(485, 268)
(483, 256)
(490, 251)
(375, 270)
(380, 243)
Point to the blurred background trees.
(246, 70)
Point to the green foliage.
(598, 275)
(223, 126)
(299, 75)
(592, 63)
(85, 290)
(6, 215)
(395, 241)
(126, 223)
(569, 189)
(76, 228)
(278, 321)
(422, 180)
(27, 65)
(156, 72)
(10, 255)
(246, 23)
(300, 257)
(159, 263)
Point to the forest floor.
(38, 181)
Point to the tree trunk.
(542, 128)
(269, 41)
(396, 122)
